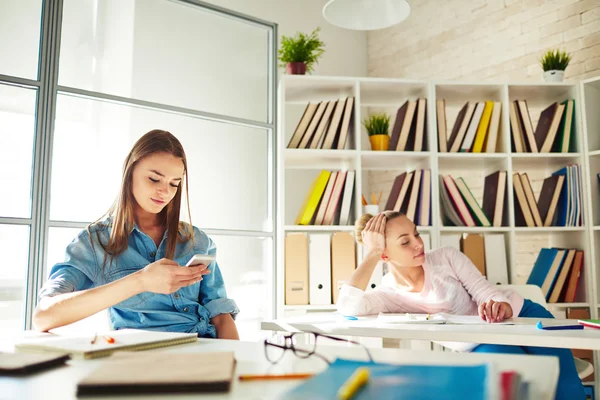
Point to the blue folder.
(386, 381)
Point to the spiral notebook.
(102, 345)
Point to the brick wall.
(490, 40)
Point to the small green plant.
(302, 48)
(555, 60)
(377, 124)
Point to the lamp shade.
(366, 15)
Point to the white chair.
(534, 293)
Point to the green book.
(566, 129)
(591, 323)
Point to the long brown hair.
(122, 210)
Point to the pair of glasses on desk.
(274, 351)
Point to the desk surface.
(60, 383)
(523, 333)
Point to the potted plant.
(554, 63)
(298, 54)
(377, 126)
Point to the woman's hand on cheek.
(373, 236)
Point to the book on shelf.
(324, 125)
(411, 194)
(553, 132)
(328, 200)
(558, 203)
(409, 132)
(475, 129)
(460, 208)
(556, 271)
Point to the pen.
(357, 380)
(270, 377)
(94, 338)
(427, 317)
(350, 317)
(557, 327)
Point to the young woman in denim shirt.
(131, 261)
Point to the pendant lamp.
(365, 15)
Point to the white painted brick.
(592, 64)
(539, 21)
(560, 26)
(582, 30)
(590, 40)
(578, 8)
(590, 15)
(586, 54)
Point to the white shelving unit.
(375, 170)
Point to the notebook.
(24, 363)
(464, 382)
(439, 318)
(160, 372)
(125, 339)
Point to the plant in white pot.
(298, 54)
(554, 63)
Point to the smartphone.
(205, 259)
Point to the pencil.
(109, 339)
(379, 199)
(373, 198)
(271, 377)
(357, 380)
(364, 201)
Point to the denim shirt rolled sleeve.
(213, 295)
(77, 272)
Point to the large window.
(122, 68)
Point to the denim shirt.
(188, 309)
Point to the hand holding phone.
(197, 259)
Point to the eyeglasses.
(274, 352)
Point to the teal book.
(400, 382)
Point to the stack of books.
(460, 208)
(324, 125)
(559, 202)
(411, 195)
(329, 200)
(556, 271)
(553, 132)
(475, 129)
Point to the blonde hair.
(155, 141)
(360, 223)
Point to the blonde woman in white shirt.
(442, 280)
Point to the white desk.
(60, 383)
(523, 333)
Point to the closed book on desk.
(24, 363)
(125, 339)
(160, 372)
(386, 381)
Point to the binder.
(343, 260)
(296, 269)
(319, 268)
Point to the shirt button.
(176, 295)
(153, 254)
(185, 309)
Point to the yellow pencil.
(374, 201)
(359, 378)
(379, 199)
(364, 201)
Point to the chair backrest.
(531, 292)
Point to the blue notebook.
(386, 381)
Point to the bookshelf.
(375, 170)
